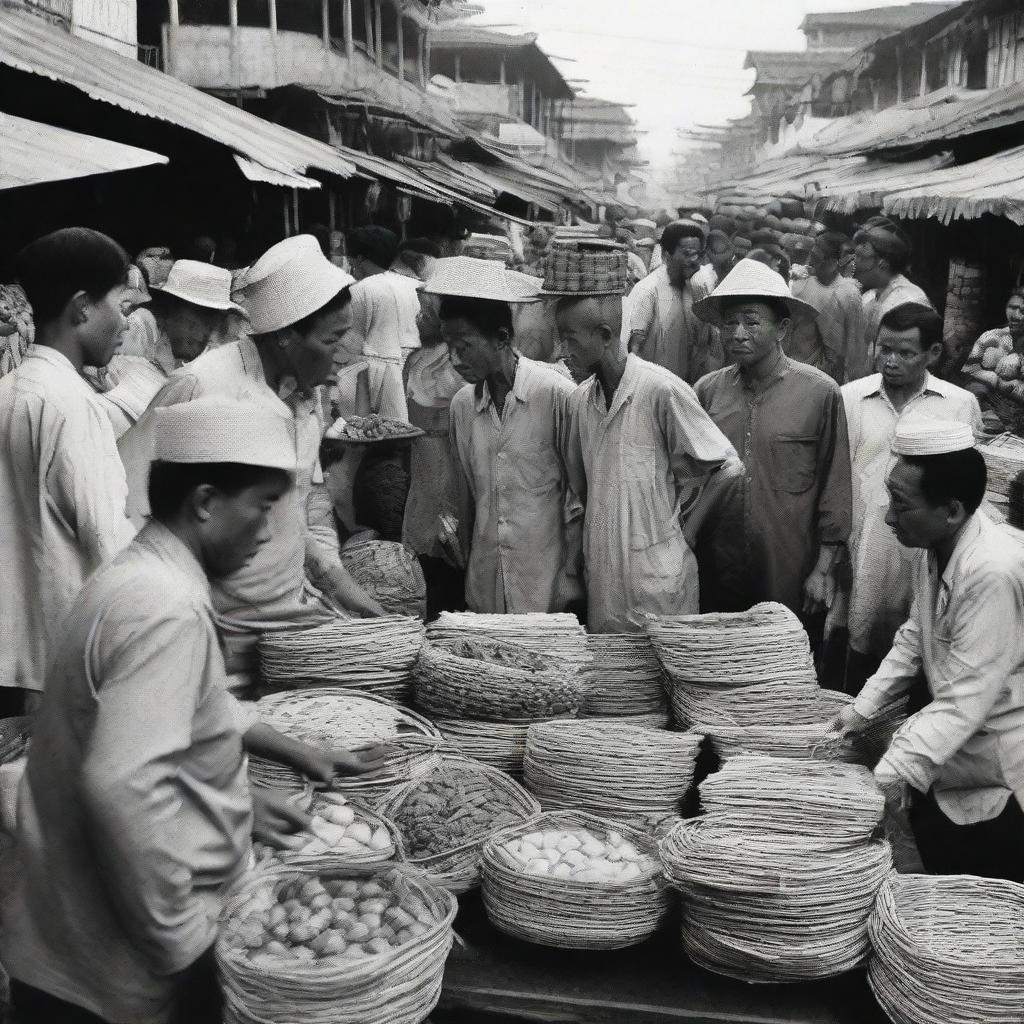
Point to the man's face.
(238, 525)
(1015, 315)
(474, 355)
(310, 355)
(902, 361)
(684, 261)
(822, 265)
(583, 341)
(916, 523)
(751, 332)
(189, 329)
(869, 269)
(105, 324)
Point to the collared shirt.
(513, 467)
(882, 567)
(835, 339)
(638, 465)
(792, 439)
(897, 292)
(134, 811)
(667, 332)
(62, 505)
(964, 631)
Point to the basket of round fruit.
(349, 946)
(574, 881)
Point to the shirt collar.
(782, 368)
(970, 532)
(53, 357)
(927, 388)
(155, 537)
(520, 386)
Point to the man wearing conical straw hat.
(644, 457)
(789, 517)
(505, 429)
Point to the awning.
(257, 172)
(31, 45)
(32, 153)
(867, 183)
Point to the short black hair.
(53, 268)
(374, 243)
(335, 305)
(487, 315)
(888, 240)
(909, 315)
(953, 476)
(831, 243)
(171, 483)
(379, 494)
(677, 231)
(719, 237)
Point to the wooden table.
(494, 979)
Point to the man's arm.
(642, 317)
(328, 574)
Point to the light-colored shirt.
(964, 631)
(384, 311)
(704, 282)
(637, 465)
(882, 567)
(62, 505)
(835, 338)
(522, 537)
(134, 811)
(897, 292)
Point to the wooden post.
(236, 70)
(346, 22)
(421, 51)
(332, 210)
(401, 45)
(502, 71)
(173, 21)
(924, 71)
(325, 23)
(378, 32)
(458, 67)
(295, 209)
(272, 16)
(368, 22)
(426, 58)
(287, 215)
(899, 75)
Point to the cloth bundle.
(625, 679)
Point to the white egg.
(534, 838)
(528, 851)
(568, 843)
(574, 858)
(614, 838)
(629, 872)
(628, 852)
(612, 855)
(593, 848)
(538, 867)
(561, 871)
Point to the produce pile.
(370, 428)
(581, 855)
(625, 680)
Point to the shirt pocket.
(533, 467)
(795, 458)
(653, 518)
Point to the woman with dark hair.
(62, 485)
(993, 370)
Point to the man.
(961, 758)
(835, 336)
(721, 258)
(789, 517)
(135, 813)
(881, 253)
(909, 343)
(663, 327)
(504, 426)
(299, 308)
(644, 459)
(62, 486)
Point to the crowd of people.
(655, 422)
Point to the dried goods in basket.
(782, 702)
(490, 680)
(370, 429)
(344, 833)
(498, 744)
(574, 881)
(624, 677)
(447, 813)
(947, 950)
(351, 946)
(732, 649)
(390, 572)
(611, 769)
(765, 907)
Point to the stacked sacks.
(780, 874)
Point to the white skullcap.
(217, 429)
(921, 435)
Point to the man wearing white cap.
(962, 755)
(298, 306)
(135, 813)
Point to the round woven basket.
(605, 767)
(624, 677)
(390, 573)
(569, 914)
(500, 745)
(788, 701)
(457, 868)
(948, 949)
(398, 987)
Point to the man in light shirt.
(961, 758)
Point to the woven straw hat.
(217, 429)
(201, 284)
(922, 435)
(470, 278)
(593, 267)
(752, 280)
(288, 282)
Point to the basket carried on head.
(948, 949)
(449, 811)
(624, 679)
(581, 912)
(279, 972)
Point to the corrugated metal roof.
(461, 37)
(867, 183)
(33, 153)
(792, 67)
(887, 18)
(30, 44)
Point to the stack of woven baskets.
(625, 680)
(622, 772)
(948, 949)
(779, 875)
(369, 655)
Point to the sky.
(676, 62)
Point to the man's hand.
(448, 538)
(897, 795)
(819, 592)
(276, 819)
(848, 722)
(323, 765)
(340, 588)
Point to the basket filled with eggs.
(348, 946)
(574, 881)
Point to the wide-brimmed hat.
(289, 282)
(752, 280)
(470, 278)
(590, 267)
(200, 284)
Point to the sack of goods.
(574, 881)
(342, 833)
(370, 655)
(626, 773)
(330, 717)
(625, 679)
(947, 950)
(354, 946)
(779, 876)
(449, 811)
